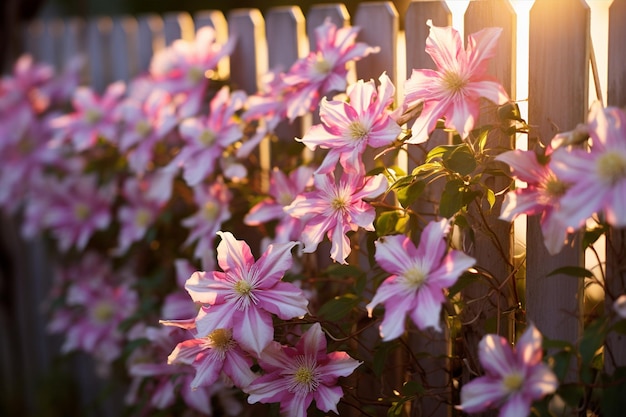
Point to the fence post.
(435, 367)
(557, 101)
(491, 245)
(616, 240)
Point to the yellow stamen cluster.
(453, 82)
(611, 167)
(414, 277)
(357, 130)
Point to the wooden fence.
(559, 65)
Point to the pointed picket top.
(616, 94)
(285, 30)
(379, 25)
(150, 38)
(248, 28)
(178, 26)
(124, 43)
(557, 101)
(416, 31)
(337, 13)
(216, 20)
(496, 13)
(43, 40)
(98, 52)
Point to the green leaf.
(412, 388)
(591, 235)
(592, 339)
(407, 195)
(461, 160)
(339, 307)
(440, 152)
(464, 280)
(510, 111)
(380, 356)
(491, 197)
(386, 222)
(614, 395)
(574, 271)
(451, 198)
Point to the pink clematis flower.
(283, 191)
(514, 378)
(294, 377)
(598, 176)
(206, 138)
(96, 302)
(144, 124)
(144, 200)
(244, 296)
(213, 202)
(347, 128)
(94, 117)
(335, 209)
(183, 68)
(420, 276)
(213, 356)
(542, 195)
(454, 90)
(77, 207)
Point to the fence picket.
(98, 52)
(557, 101)
(178, 26)
(124, 42)
(151, 39)
(616, 240)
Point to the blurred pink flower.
(349, 126)
(213, 202)
(283, 191)
(144, 124)
(294, 377)
(75, 208)
(245, 295)
(541, 196)
(96, 300)
(93, 117)
(514, 377)
(453, 91)
(420, 277)
(598, 176)
(335, 209)
(206, 138)
(183, 69)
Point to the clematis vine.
(420, 277)
(245, 294)
(348, 127)
(454, 90)
(513, 379)
(336, 208)
(297, 376)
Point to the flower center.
(243, 288)
(414, 277)
(321, 66)
(142, 218)
(195, 74)
(513, 382)
(81, 211)
(207, 138)
(284, 199)
(305, 377)
(555, 188)
(92, 116)
(210, 210)
(143, 128)
(612, 167)
(453, 82)
(357, 130)
(221, 340)
(103, 312)
(338, 204)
